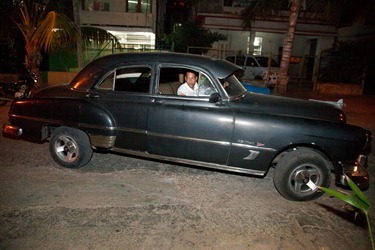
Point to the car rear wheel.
(70, 147)
(294, 172)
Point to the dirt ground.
(120, 202)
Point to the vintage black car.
(128, 103)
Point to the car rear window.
(129, 79)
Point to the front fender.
(269, 135)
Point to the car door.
(250, 68)
(125, 93)
(189, 128)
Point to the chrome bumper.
(356, 171)
(12, 130)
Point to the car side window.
(240, 60)
(206, 87)
(108, 82)
(172, 81)
(129, 79)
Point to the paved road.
(119, 202)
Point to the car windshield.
(232, 86)
(263, 62)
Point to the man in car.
(190, 87)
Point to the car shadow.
(347, 213)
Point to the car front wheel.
(294, 172)
(70, 147)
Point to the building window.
(258, 45)
(96, 5)
(138, 6)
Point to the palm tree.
(328, 11)
(41, 30)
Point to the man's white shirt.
(185, 90)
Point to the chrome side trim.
(102, 141)
(253, 147)
(139, 131)
(85, 125)
(191, 162)
(132, 130)
(37, 119)
(224, 143)
(62, 123)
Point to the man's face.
(191, 79)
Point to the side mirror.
(214, 97)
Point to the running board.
(191, 162)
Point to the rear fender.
(99, 125)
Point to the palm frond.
(54, 32)
(261, 8)
(353, 200)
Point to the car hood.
(284, 106)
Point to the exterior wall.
(236, 41)
(57, 78)
(112, 15)
(113, 12)
(226, 20)
(133, 30)
(210, 6)
(117, 19)
(48, 77)
(272, 32)
(363, 33)
(271, 43)
(338, 88)
(357, 33)
(9, 78)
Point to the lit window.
(258, 45)
(138, 6)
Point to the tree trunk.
(282, 81)
(77, 21)
(33, 59)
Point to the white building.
(267, 34)
(133, 22)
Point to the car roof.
(84, 79)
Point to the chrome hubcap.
(302, 175)
(66, 148)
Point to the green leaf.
(357, 191)
(353, 200)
